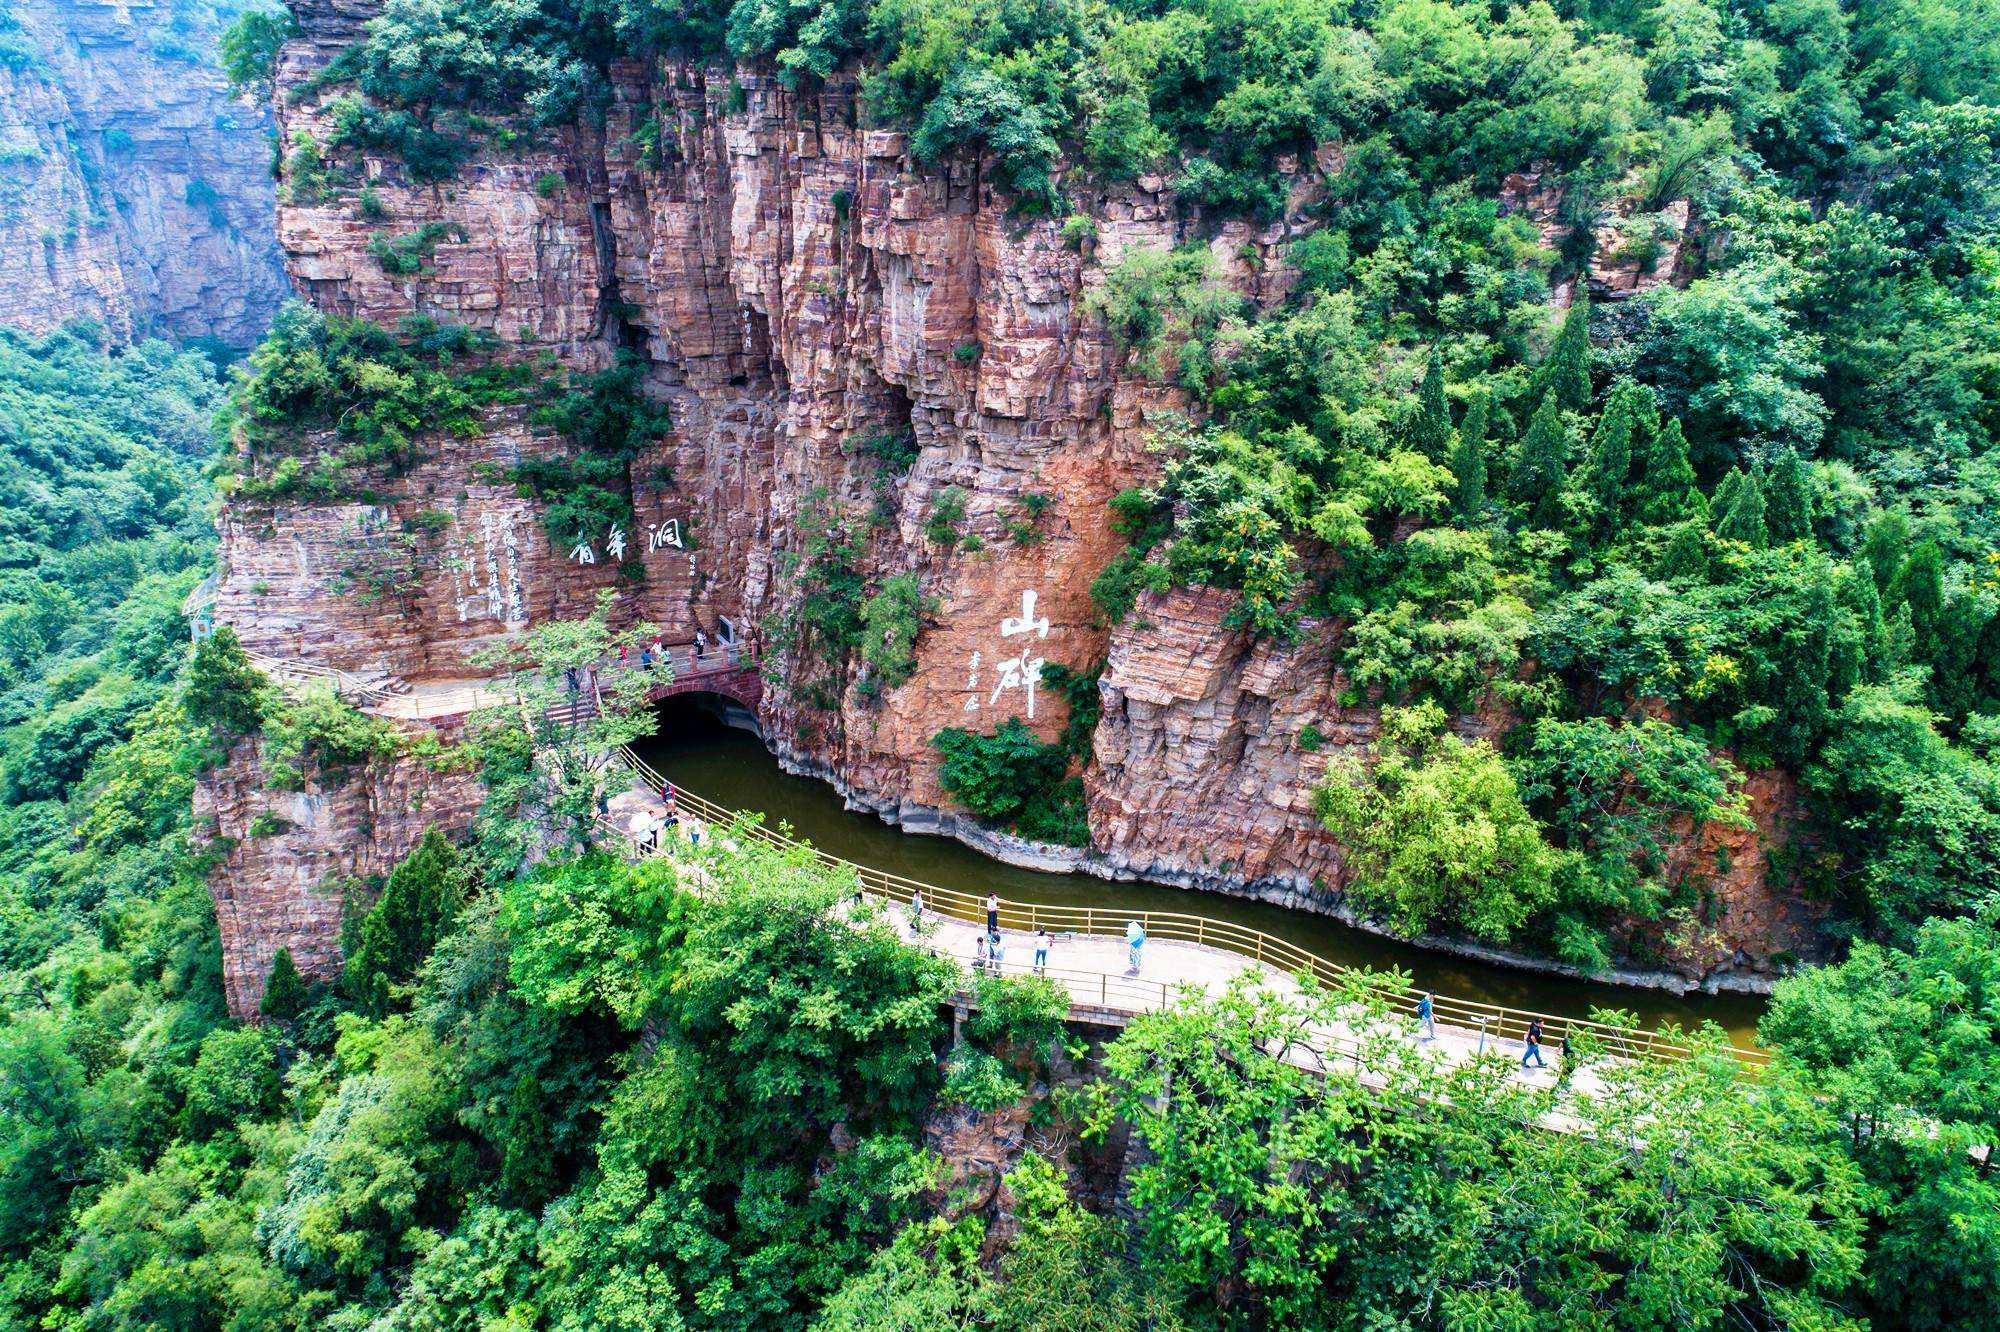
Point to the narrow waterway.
(732, 767)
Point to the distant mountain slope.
(133, 190)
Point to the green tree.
(284, 989)
(1667, 493)
(527, 1163)
(1468, 459)
(1564, 373)
(1739, 509)
(1919, 584)
(1904, 1047)
(1627, 424)
(234, 1080)
(1430, 430)
(541, 743)
(418, 905)
(1436, 830)
(1788, 500)
(1885, 549)
(224, 692)
(1541, 466)
(249, 49)
(1273, 1196)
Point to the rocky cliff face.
(798, 286)
(132, 188)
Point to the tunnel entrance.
(702, 714)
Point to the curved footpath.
(1088, 954)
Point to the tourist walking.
(700, 645)
(569, 674)
(1042, 943)
(916, 909)
(992, 913)
(1426, 1017)
(1135, 939)
(996, 951)
(1534, 1046)
(667, 797)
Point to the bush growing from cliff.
(1014, 778)
(611, 419)
(1436, 831)
(249, 49)
(890, 622)
(375, 391)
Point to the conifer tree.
(1430, 433)
(1686, 554)
(1541, 466)
(1468, 459)
(284, 989)
(1565, 372)
(1860, 598)
(1919, 584)
(417, 907)
(1667, 493)
(527, 1166)
(1625, 426)
(1788, 500)
(1886, 547)
(1739, 509)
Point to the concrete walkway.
(1103, 987)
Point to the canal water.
(731, 767)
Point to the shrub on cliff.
(1436, 831)
(1015, 779)
(375, 390)
(611, 419)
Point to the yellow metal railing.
(1497, 1022)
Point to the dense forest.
(1741, 520)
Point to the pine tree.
(1919, 584)
(1788, 501)
(1739, 509)
(1686, 555)
(1565, 371)
(1886, 547)
(1541, 465)
(284, 989)
(1667, 492)
(1468, 459)
(527, 1158)
(417, 907)
(1860, 598)
(1430, 433)
(1626, 425)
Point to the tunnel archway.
(697, 712)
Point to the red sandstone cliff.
(797, 285)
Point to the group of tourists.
(650, 830)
